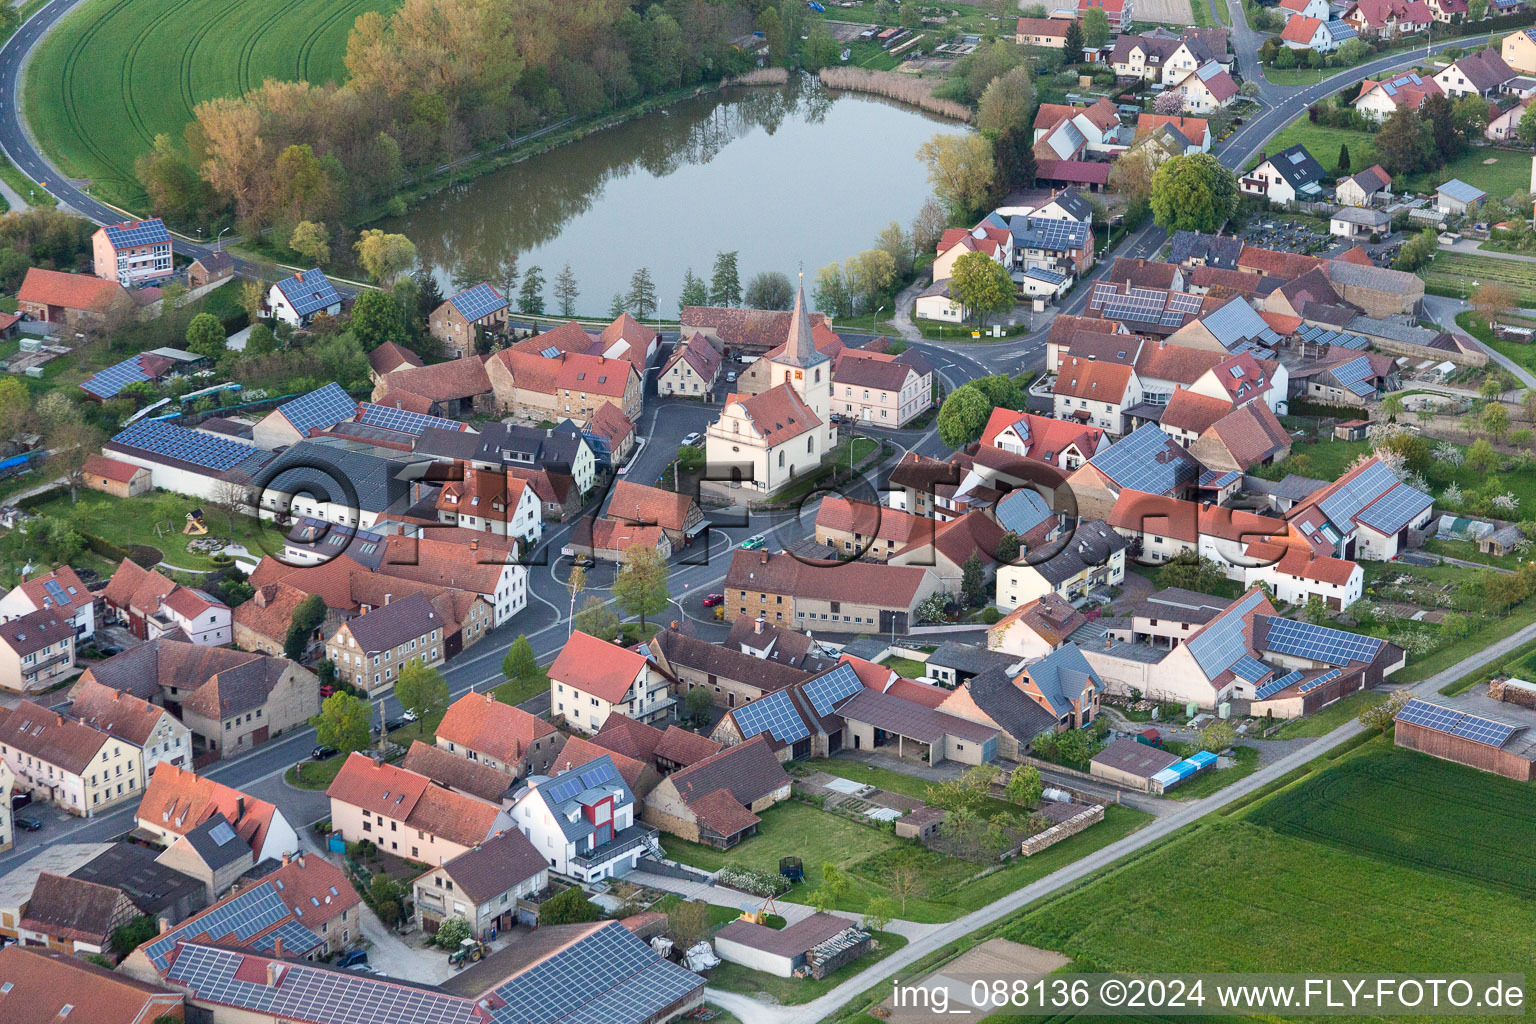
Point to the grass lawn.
(1476, 326)
(1206, 783)
(717, 915)
(129, 521)
(114, 74)
(905, 667)
(791, 828)
(1330, 717)
(896, 782)
(1411, 809)
(1520, 662)
(1466, 551)
(515, 691)
(315, 774)
(1321, 141)
(794, 991)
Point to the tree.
(1025, 786)
(73, 443)
(1132, 175)
(1494, 300)
(642, 294)
(596, 619)
(617, 307)
(973, 581)
(982, 286)
(878, 913)
(927, 226)
(343, 722)
(384, 256)
(1472, 116)
(898, 243)
(1481, 456)
(1448, 137)
(871, 275)
(1218, 736)
(1527, 129)
(905, 881)
(1073, 44)
(1403, 145)
(134, 934)
(1494, 420)
(307, 617)
(1317, 610)
(1008, 102)
(695, 291)
(311, 241)
(569, 906)
(1013, 161)
(689, 922)
(831, 291)
(1381, 716)
(531, 298)
(422, 689)
(376, 318)
(725, 284)
(641, 586)
(1343, 158)
(521, 664)
(566, 291)
(451, 932)
(960, 170)
(1168, 103)
(1477, 10)
(770, 289)
(698, 702)
(1392, 406)
(1189, 571)
(205, 336)
(1008, 547)
(1095, 27)
(1193, 193)
(963, 417)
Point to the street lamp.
(218, 243)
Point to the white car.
(692, 439)
(730, 377)
(408, 715)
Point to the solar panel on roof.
(1395, 509)
(221, 833)
(1454, 722)
(171, 441)
(403, 419)
(1326, 677)
(144, 232)
(825, 691)
(477, 302)
(1319, 643)
(1143, 461)
(774, 714)
(1221, 642)
(1274, 686)
(309, 292)
(320, 409)
(109, 382)
(1250, 668)
(578, 780)
(1343, 504)
(1055, 235)
(55, 591)
(244, 916)
(1022, 510)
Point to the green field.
(116, 73)
(1455, 271)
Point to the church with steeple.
(766, 441)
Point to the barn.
(1472, 729)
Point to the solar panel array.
(1395, 509)
(1356, 375)
(1341, 30)
(1326, 677)
(1211, 478)
(1319, 643)
(1339, 339)
(1103, 291)
(144, 232)
(237, 921)
(1274, 686)
(479, 301)
(403, 419)
(1183, 302)
(297, 939)
(319, 409)
(1344, 504)
(827, 690)
(578, 780)
(774, 714)
(55, 592)
(1250, 668)
(192, 446)
(1143, 461)
(1056, 235)
(1440, 718)
(310, 993)
(109, 382)
(309, 292)
(1022, 510)
(1220, 644)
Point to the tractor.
(469, 951)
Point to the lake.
(793, 177)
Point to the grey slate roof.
(1297, 166)
(994, 693)
(398, 622)
(217, 850)
(1219, 251)
(330, 469)
(1090, 544)
(968, 658)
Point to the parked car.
(730, 377)
(408, 715)
(326, 691)
(323, 753)
(352, 957)
(19, 800)
(692, 439)
(754, 542)
(585, 561)
(395, 723)
(109, 650)
(29, 824)
(710, 600)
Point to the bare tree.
(72, 444)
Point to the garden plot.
(1169, 12)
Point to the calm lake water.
(792, 177)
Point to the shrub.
(145, 556)
(758, 883)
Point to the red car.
(710, 600)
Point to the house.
(716, 801)
(691, 370)
(68, 763)
(1457, 198)
(152, 606)
(1519, 50)
(482, 729)
(407, 814)
(1302, 33)
(880, 389)
(444, 559)
(297, 300)
(1047, 32)
(1064, 443)
(592, 679)
(210, 268)
(1159, 55)
(851, 597)
(608, 540)
(988, 238)
(80, 302)
(483, 886)
(1195, 131)
(1366, 514)
(133, 253)
(517, 450)
(678, 515)
(211, 853)
(1121, 12)
(1064, 132)
(1130, 763)
(1407, 91)
(119, 479)
(1345, 377)
(1240, 439)
(1146, 458)
(1365, 188)
(583, 822)
(59, 590)
(1287, 177)
(751, 332)
(1377, 291)
(731, 675)
(389, 357)
(1210, 88)
(1089, 557)
(461, 317)
(371, 651)
(859, 529)
(1446, 11)
(937, 303)
(457, 773)
(1291, 9)
(43, 986)
(1095, 394)
(72, 915)
(492, 502)
(450, 390)
(801, 947)
(639, 775)
(1479, 73)
(1354, 222)
(158, 735)
(666, 751)
(1387, 19)
(1035, 628)
(186, 461)
(1505, 125)
(1055, 693)
(177, 801)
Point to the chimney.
(757, 626)
(301, 860)
(388, 598)
(274, 973)
(490, 698)
(286, 859)
(474, 544)
(277, 948)
(378, 761)
(164, 924)
(240, 807)
(59, 719)
(764, 558)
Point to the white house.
(1095, 393)
(60, 590)
(583, 821)
(1289, 9)
(936, 303)
(298, 299)
(1208, 88)
(1286, 177)
(592, 679)
(1380, 100)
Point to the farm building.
(818, 944)
(1473, 729)
(1130, 763)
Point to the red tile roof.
(178, 800)
(867, 519)
(1102, 382)
(594, 375)
(441, 382)
(685, 748)
(578, 750)
(1139, 512)
(1300, 29)
(640, 503)
(112, 469)
(71, 291)
(480, 722)
(778, 414)
(623, 735)
(388, 357)
(597, 667)
(1192, 412)
(42, 986)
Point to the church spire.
(800, 347)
